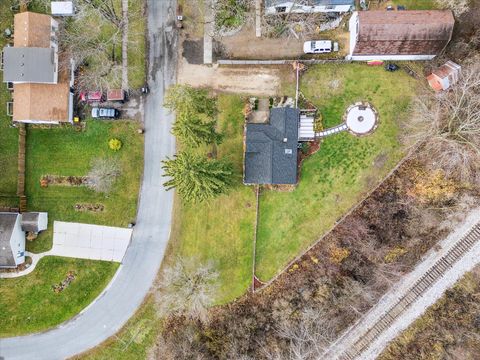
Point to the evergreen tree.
(197, 178)
(186, 99)
(192, 131)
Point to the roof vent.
(288, 151)
(285, 140)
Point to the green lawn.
(30, 305)
(412, 4)
(136, 48)
(66, 151)
(222, 229)
(345, 168)
(8, 134)
(133, 341)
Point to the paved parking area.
(87, 241)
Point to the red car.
(91, 96)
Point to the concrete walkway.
(208, 33)
(126, 292)
(35, 259)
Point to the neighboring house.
(13, 227)
(41, 92)
(271, 149)
(62, 8)
(445, 76)
(399, 35)
(308, 6)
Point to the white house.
(399, 35)
(273, 7)
(13, 227)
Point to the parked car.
(317, 47)
(91, 96)
(392, 67)
(105, 113)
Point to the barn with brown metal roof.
(399, 35)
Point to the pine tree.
(197, 178)
(186, 99)
(192, 131)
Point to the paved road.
(142, 260)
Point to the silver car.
(105, 113)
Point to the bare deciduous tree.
(187, 288)
(457, 6)
(103, 174)
(308, 338)
(448, 125)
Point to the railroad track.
(432, 275)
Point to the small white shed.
(63, 8)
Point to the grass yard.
(412, 4)
(136, 47)
(133, 341)
(66, 151)
(343, 170)
(222, 229)
(8, 134)
(30, 305)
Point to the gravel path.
(365, 327)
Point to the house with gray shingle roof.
(271, 149)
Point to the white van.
(317, 47)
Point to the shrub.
(103, 174)
(305, 146)
(114, 144)
(338, 254)
(394, 254)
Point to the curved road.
(118, 302)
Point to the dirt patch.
(58, 288)
(259, 81)
(63, 180)
(245, 45)
(89, 207)
(380, 161)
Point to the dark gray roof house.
(271, 149)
